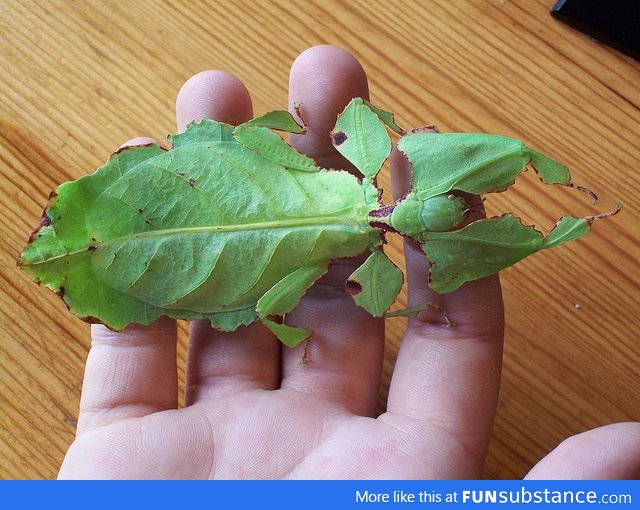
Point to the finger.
(213, 95)
(611, 452)
(129, 373)
(224, 363)
(140, 140)
(446, 380)
(323, 79)
(347, 347)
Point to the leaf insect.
(233, 225)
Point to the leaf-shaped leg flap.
(475, 163)
(489, 245)
(278, 119)
(549, 170)
(567, 229)
(375, 284)
(230, 321)
(288, 335)
(284, 297)
(273, 148)
(386, 117)
(482, 248)
(361, 137)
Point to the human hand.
(253, 410)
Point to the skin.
(254, 411)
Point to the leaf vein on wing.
(206, 196)
(264, 269)
(146, 267)
(250, 179)
(311, 203)
(204, 280)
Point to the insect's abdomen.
(206, 227)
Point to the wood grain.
(79, 78)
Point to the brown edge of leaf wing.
(297, 108)
(130, 147)
(430, 128)
(45, 221)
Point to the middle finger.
(347, 348)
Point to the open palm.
(254, 410)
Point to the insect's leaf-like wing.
(59, 252)
(475, 163)
(362, 138)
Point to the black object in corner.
(613, 22)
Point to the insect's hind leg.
(283, 297)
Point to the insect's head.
(413, 215)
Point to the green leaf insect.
(233, 225)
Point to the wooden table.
(79, 78)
